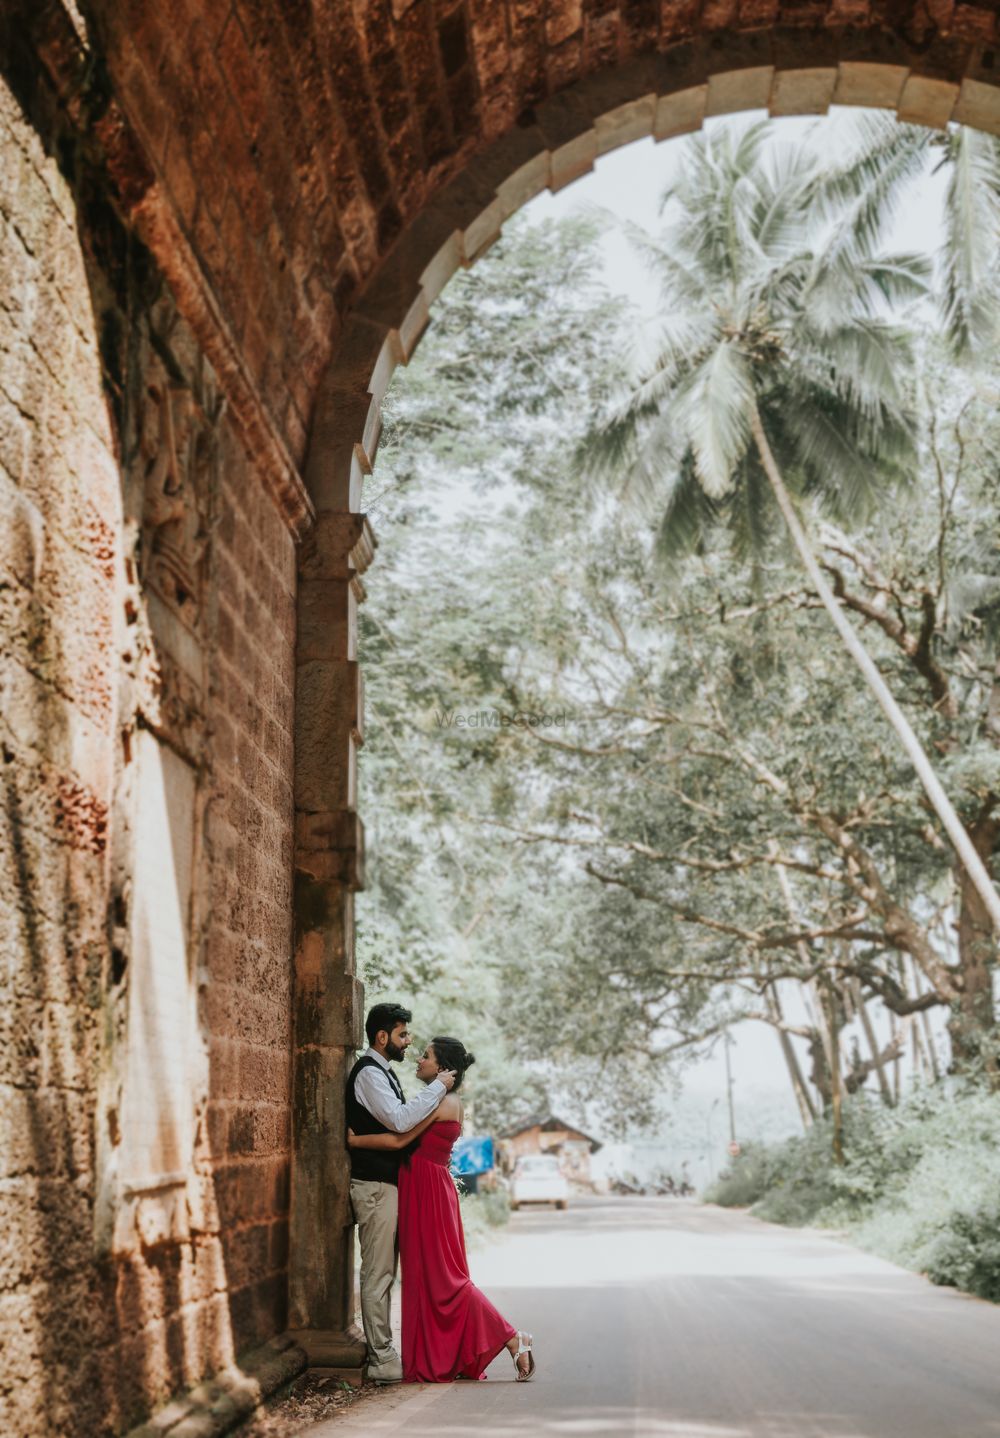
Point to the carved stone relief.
(177, 454)
(156, 1078)
(173, 532)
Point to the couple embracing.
(400, 1183)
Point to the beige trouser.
(375, 1212)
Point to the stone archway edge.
(661, 96)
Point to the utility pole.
(729, 1089)
(708, 1140)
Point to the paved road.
(656, 1318)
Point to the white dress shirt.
(374, 1092)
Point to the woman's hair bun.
(452, 1054)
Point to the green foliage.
(746, 1178)
(966, 1254)
(588, 905)
(920, 1183)
(483, 1213)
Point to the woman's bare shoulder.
(449, 1109)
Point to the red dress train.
(449, 1327)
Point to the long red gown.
(449, 1327)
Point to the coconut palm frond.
(683, 280)
(715, 193)
(608, 450)
(718, 404)
(841, 459)
(777, 290)
(893, 279)
(750, 142)
(861, 197)
(763, 300)
(786, 218)
(688, 516)
(753, 520)
(862, 285)
(968, 274)
(655, 462)
(866, 362)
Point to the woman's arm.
(389, 1140)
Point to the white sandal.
(524, 1346)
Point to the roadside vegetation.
(919, 1185)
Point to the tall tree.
(780, 372)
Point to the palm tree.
(781, 371)
(885, 159)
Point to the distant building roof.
(548, 1122)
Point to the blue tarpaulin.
(472, 1155)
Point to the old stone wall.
(147, 592)
(59, 556)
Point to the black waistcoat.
(380, 1164)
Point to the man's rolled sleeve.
(374, 1091)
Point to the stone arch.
(788, 70)
(662, 97)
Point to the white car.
(537, 1178)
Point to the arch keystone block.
(877, 86)
(412, 326)
(978, 105)
(625, 123)
(359, 351)
(370, 435)
(524, 184)
(410, 266)
(803, 92)
(748, 89)
(389, 357)
(680, 113)
(507, 157)
(441, 268)
(571, 161)
(566, 123)
(483, 232)
(336, 465)
(927, 102)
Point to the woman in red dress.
(450, 1329)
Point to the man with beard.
(375, 1104)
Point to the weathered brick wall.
(147, 590)
(59, 552)
(246, 999)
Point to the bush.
(482, 1212)
(745, 1179)
(920, 1184)
(967, 1254)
